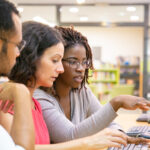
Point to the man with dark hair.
(22, 131)
(10, 36)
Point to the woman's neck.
(32, 87)
(31, 91)
(62, 90)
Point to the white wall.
(116, 41)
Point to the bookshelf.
(104, 76)
(130, 74)
(103, 80)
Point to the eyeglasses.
(20, 46)
(75, 63)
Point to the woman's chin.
(76, 86)
(48, 85)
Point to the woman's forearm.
(104, 139)
(22, 130)
(79, 144)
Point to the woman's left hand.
(130, 102)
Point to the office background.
(118, 32)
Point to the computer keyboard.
(133, 146)
(145, 117)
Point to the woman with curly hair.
(39, 64)
(70, 109)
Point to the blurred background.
(117, 31)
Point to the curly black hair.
(72, 38)
(7, 26)
(38, 38)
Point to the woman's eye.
(72, 62)
(55, 60)
(85, 62)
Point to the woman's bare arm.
(103, 139)
(22, 129)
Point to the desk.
(127, 120)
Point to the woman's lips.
(78, 79)
(53, 78)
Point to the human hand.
(130, 102)
(6, 105)
(137, 140)
(107, 138)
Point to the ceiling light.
(131, 8)
(20, 9)
(84, 18)
(74, 9)
(42, 20)
(134, 18)
(80, 1)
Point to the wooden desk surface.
(127, 120)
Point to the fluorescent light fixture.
(42, 20)
(131, 8)
(134, 18)
(74, 9)
(80, 1)
(20, 9)
(84, 18)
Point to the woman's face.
(74, 62)
(49, 66)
